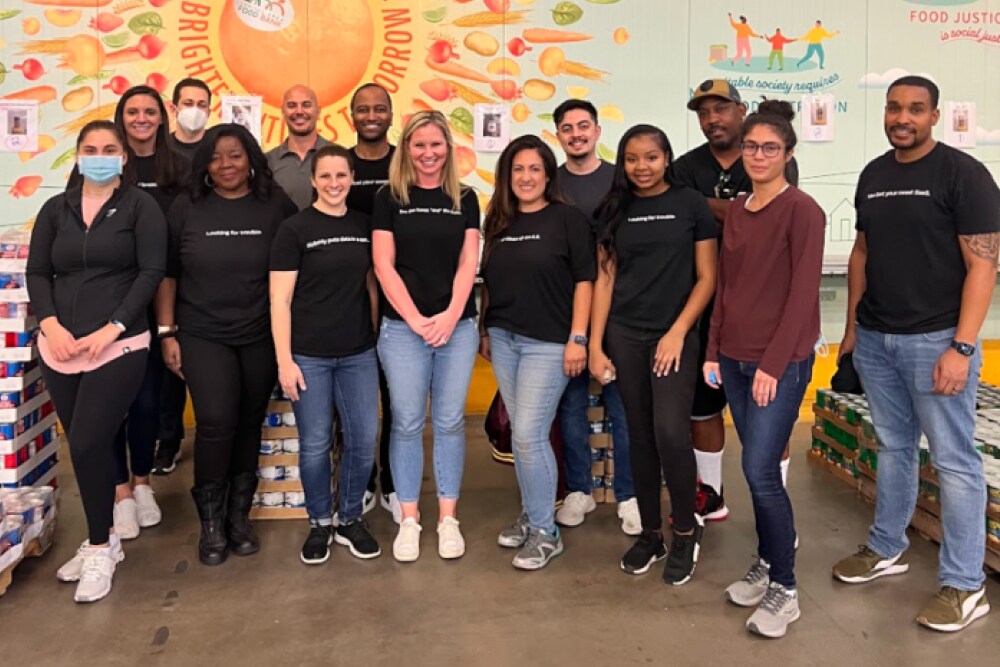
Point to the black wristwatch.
(964, 349)
(578, 339)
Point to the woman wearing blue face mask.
(98, 253)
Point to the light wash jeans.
(530, 375)
(897, 372)
(416, 371)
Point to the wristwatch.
(578, 339)
(119, 324)
(964, 349)
(166, 330)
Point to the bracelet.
(169, 334)
(162, 329)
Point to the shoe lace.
(93, 568)
(757, 572)
(949, 595)
(775, 599)
(534, 541)
(679, 545)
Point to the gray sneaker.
(750, 590)
(778, 608)
(538, 549)
(516, 535)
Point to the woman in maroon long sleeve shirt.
(764, 328)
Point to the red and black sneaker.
(709, 505)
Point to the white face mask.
(192, 119)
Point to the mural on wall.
(637, 60)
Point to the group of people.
(680, 285)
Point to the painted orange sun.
(326, 44)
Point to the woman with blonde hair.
(425, 246)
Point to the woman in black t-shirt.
(425, 245)
(322, 294)
(213, 308)
(538, 269)
(657, 254)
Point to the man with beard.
(920, 280)
(371, 114)
(291, 161)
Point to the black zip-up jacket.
(89, 277)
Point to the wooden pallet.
(32, 548)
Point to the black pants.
(91, 407)
(135, 442)
(230, 388)
(173, 397)
(385, 478)
(658, 412)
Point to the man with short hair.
(291, 161)
(190, 105)
(920, 280)
(584, 180)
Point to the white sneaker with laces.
(96, 574)
(71, 569)
(406, 546)
(628, 512)
(147, 511)
(390, 503)
(575, 509)
(451, 544)
(126, 519)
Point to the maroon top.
(767, 299)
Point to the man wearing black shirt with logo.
(920, 280)
(190, 105)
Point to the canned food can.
(269, 447)
(295, 499)
(272, 499)
(272, 420)
(292, 472)
(290, 445)
(272, 473)
(256, 500)
(288, 419)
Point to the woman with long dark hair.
(657, 256)
(97, 256)
(538, 270)
(213, 308)
(765, 325)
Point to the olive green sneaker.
(951, 609)
(866, 565)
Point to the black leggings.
(385, 477)
(91, 407)
(173, 396)
(135, 442)
(230, 388)
(658, 412)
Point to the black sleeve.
(704, 220)
(286, 250)
(384, 210)
(976, 199)
(39, 273)
(285, 204)
(678, 173)
(151, 258)
(470, 208)
(582, 247)
(175, 225)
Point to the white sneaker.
(71, 569)
(147, 511)
(126, 518)
(369, 502)
(390, 503)
(96, 574)
(628, 512)
(575, 509)
(451, 544)
(406, 546)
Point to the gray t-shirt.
(292, 174)
(586, 192)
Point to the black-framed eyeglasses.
(770, 149)
(725, 188)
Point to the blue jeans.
(530, 375)
(350, 383)
(576, 430)
(415, 370)
(764, 432)
(897, 372)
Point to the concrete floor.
(270, 609)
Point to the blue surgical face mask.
(100, 169)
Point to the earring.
(251, 173)
(209, 181)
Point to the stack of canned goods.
(288, 499)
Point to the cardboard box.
(600, 440)
(595, 414)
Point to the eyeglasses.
(770, 149)
(725, 188)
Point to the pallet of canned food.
(27, 522)
(279, 488)
(844, 443)
(602, 459)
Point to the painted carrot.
(93, 4)
(550, 36)
(454, 69)
(41, 93)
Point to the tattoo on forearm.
(984, 246)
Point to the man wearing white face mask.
(191, 103)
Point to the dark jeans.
(764, 432)
(135, 442)
(658, 410)
(173, 398)
(576, 442)
(385, 476)
(230, 388)
(91, 407)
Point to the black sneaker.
(316, 549)
(168, 453)
(647, 550)
(711, 506)
(355, 536)
(683, 555)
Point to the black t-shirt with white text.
(912, 215)
(219, 252)
(369, 176)
(532, 271)
(586, 192)
(331, 308)
(698, 169)
(428, 235)
(655, 269)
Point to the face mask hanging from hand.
(100, 169)
(192, 119)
